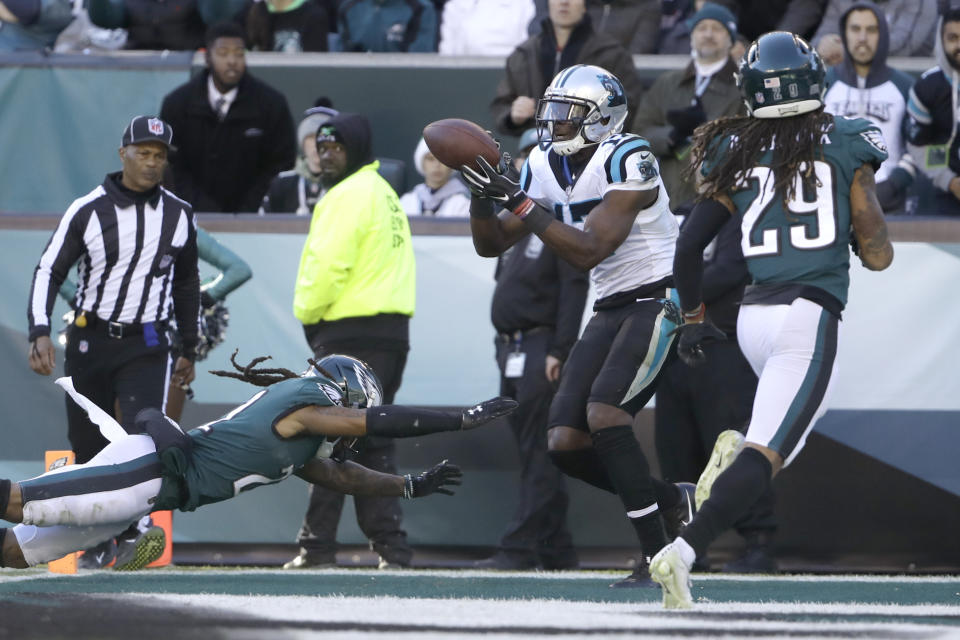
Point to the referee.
(136, 245)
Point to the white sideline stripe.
(559, 615)
(639, 513)
(8, 575)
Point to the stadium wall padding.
(896, 406)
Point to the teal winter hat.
(711, 11)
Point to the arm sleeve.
(234, 270)
(801, 17)
(329, 254)
(830, 22)
(62, 251)
(727, 268)
(425, 37)
(186, 290)
(704, 222)
(507, 91)
(632, 166)
(574, 285)
(650, 118)
(280, 156)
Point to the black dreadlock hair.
(797, 147)
(264, 377)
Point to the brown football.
(456, 142)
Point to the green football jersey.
(805, 241)
(241, 450)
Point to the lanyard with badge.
(516, 359)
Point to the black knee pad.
(583, 464)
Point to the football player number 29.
(768, 241)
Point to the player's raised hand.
(486, 411)
(438, 479)
(490, 184)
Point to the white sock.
(687, 554)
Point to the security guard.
(355, 294)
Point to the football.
(456, 142)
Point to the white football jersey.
(623, 162)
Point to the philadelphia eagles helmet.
(356, 382)
(781, 76)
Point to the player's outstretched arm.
(354, 479)
(869, 227)
(390, 421)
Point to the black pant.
(695, 404)
(380, 519)
(539, 525)
(125, 373)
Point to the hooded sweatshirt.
(932, 108)
(357, 263)
(881, 97)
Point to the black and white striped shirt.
(137, 254)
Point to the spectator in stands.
(297, 190)
(32, 24)
(177, 25)
(441, 194)
(290, 26)
(634, 23)
(234, 132)
(757, 17)
(674, 35)
(911, 25)
(863, 86)
(355, 295)
(681, 100)
(484, 27)
(567, 38)
(933, 142)
(393, 26)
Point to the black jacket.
(227, 166)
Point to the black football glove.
(488, 183)
(486, 411)
(692, 338)
(684, 121)
(435, 480)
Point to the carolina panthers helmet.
(590, 97)
(358, 384)
(781, 76)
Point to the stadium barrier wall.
(881, 461)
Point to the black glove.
(490, 184)
(684, 121)
(435, 480)
(486, 411)
(692, 338)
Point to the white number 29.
(822, 206)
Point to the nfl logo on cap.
(156, 126)
(147, 129)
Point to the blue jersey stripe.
(615, 164)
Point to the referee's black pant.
(118, 374)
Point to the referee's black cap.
(147, 129)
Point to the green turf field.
(259, 603)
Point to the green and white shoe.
(669, 571)
(137, 553)
(728, 445)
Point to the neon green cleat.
(669, 571)
(135, 554)
(728, 445)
